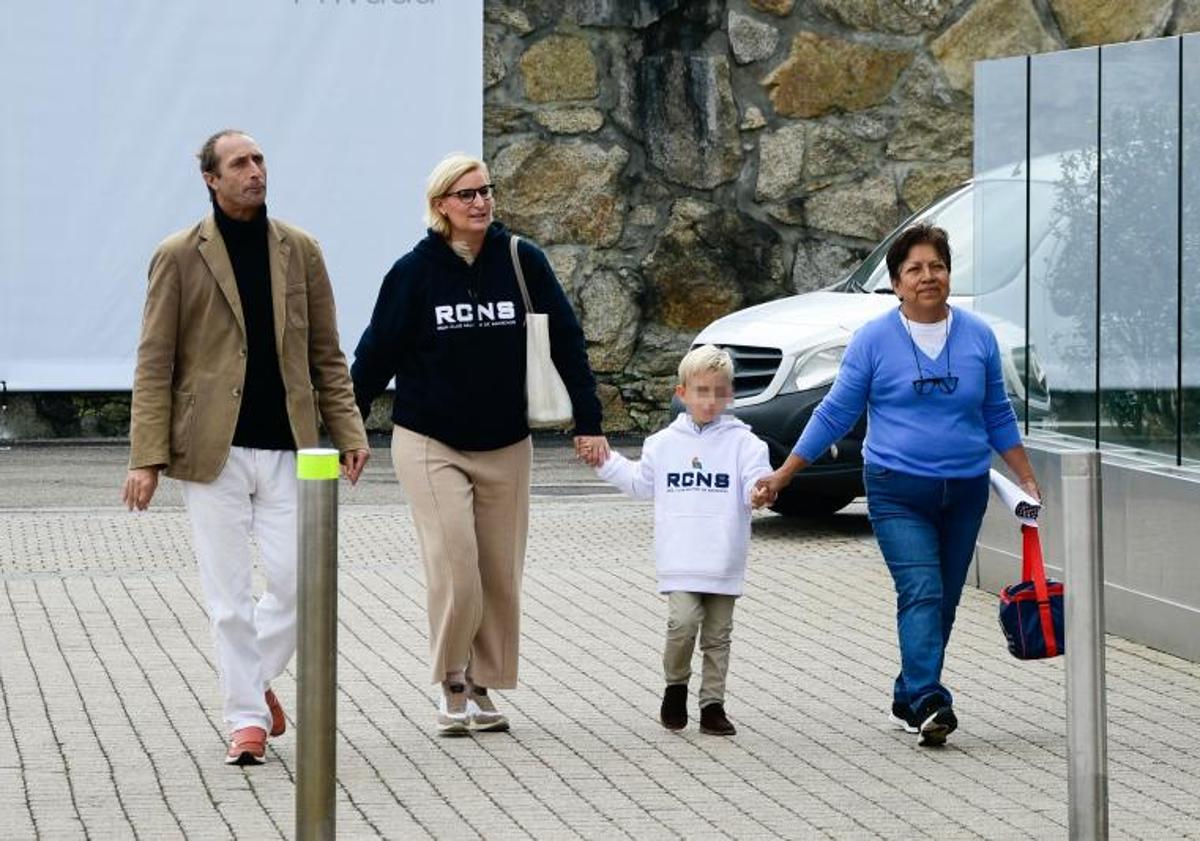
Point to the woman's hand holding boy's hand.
(760, 496)
(593, 449)
(769, 486)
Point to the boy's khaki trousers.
(710, 614)
(471, 511)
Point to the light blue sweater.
(944, 436)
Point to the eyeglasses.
(923, 384)
(945, 385)
(467, 196)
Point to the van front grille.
(753, 368)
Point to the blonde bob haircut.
(451, 168)
(703, 359)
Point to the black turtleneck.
(262, 419)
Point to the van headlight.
(814, 369)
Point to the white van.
(786, 353)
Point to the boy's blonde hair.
(705, 358)
(451, 168)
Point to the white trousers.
(254, 496)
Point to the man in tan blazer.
(238, 356)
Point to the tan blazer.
(191, 362)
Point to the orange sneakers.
(248, 747)
(278, 721)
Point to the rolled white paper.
(1020, 504)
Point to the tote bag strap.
(1033, 568)
(512, 247)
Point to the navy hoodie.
(453, 336)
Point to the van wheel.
(809, 505)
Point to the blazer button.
(237, 392)
(242, 352)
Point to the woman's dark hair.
(921, 234)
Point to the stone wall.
(680, 159)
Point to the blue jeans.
(926, 529)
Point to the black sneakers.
(903, 718)
(936, 720)
(673, 713)
(713, 721)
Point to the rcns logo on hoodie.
(697, 479)
(461, 316)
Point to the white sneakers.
(453, 718)
(464, 708)
(485, 718)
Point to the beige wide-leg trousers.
(471, 512)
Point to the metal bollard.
(1087, 720)
(316, 644)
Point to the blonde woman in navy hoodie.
(701, 473)
(449, 325)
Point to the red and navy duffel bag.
(1031, 612)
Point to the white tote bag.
(548, 405)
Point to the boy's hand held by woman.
(592, 449)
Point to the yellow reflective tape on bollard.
(317, 464)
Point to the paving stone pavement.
(111, 725)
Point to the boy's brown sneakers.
(673, 713)
(713, 721)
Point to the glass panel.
(1139, 194)
(995, 274)
(956, 214)
(1063, 110)
(1191, 248)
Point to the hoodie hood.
(724, 424)
(435, 248)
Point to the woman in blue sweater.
(930, 380)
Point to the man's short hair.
(208, 152)
(705, 358)
(921, 234)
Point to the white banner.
(105, 105)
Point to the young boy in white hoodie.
(701, 473)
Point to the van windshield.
(956, 214)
